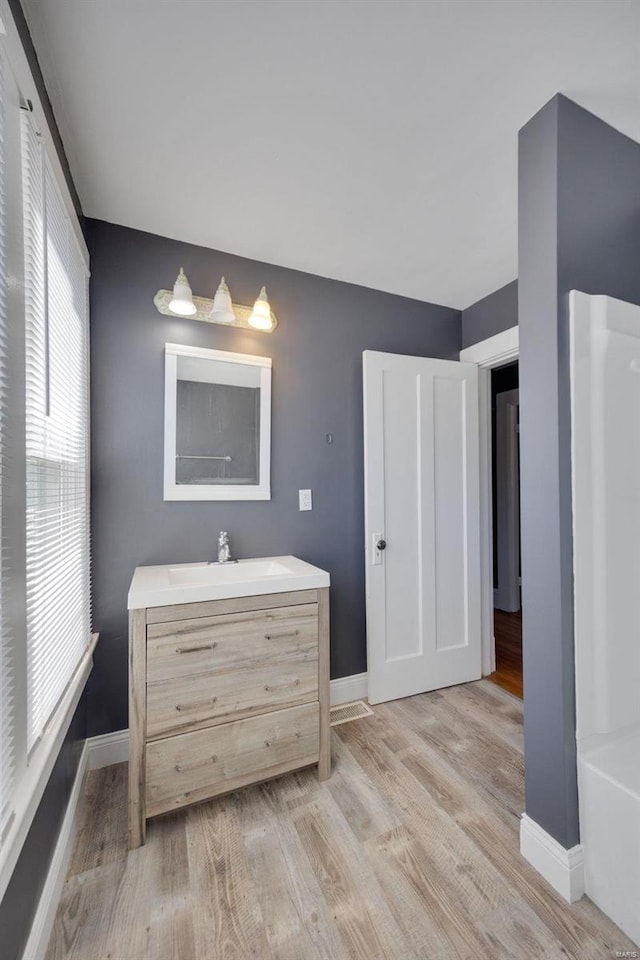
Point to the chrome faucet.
(224, 551)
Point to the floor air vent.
(350, 711)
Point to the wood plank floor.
(508, 634)
(408, 852)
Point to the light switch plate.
(304, 500)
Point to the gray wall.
(579, 227)
(493, 314)
(317, 389)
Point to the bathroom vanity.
(228, 680)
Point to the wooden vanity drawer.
(194, 766)
(182, 648)
(192, 702)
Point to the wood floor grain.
(508, 634)
(409, 852)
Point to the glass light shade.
(260, 319)
(222, 310)
(182, 300)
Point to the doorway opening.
(505, 500)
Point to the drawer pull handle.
(204, 646)
(281, 686)
(278, 636)
(186, 767)
(195, 706)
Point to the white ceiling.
(373, 141)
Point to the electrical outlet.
(304, 500)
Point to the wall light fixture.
(182, 303)
(222, 311)
(260, 318)
(182, 300)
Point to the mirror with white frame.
(217, 425)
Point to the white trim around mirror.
(175, 491)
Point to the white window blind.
(7, 759)
(57, 433)
(45, 643)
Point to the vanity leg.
(137, 732)
(324, 763)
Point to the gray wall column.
(579, 228)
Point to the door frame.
(493, 352)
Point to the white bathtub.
(605, 387)
(609, 785)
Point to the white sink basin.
(226, 572)
(161, 586)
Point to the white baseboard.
(51, 892)
(114, 747)
(108, 748)
(563, 869)
(346, 689)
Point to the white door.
(422, 524)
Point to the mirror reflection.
(217, 422)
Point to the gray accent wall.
(316, 349)
(579, 228)
(493, 314)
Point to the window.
(6, 671)
(13, 714)
(45, 638)
(57, 524)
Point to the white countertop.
(165, 585)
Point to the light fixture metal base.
(204, 306)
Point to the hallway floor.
(409, 852)
(508, 633)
